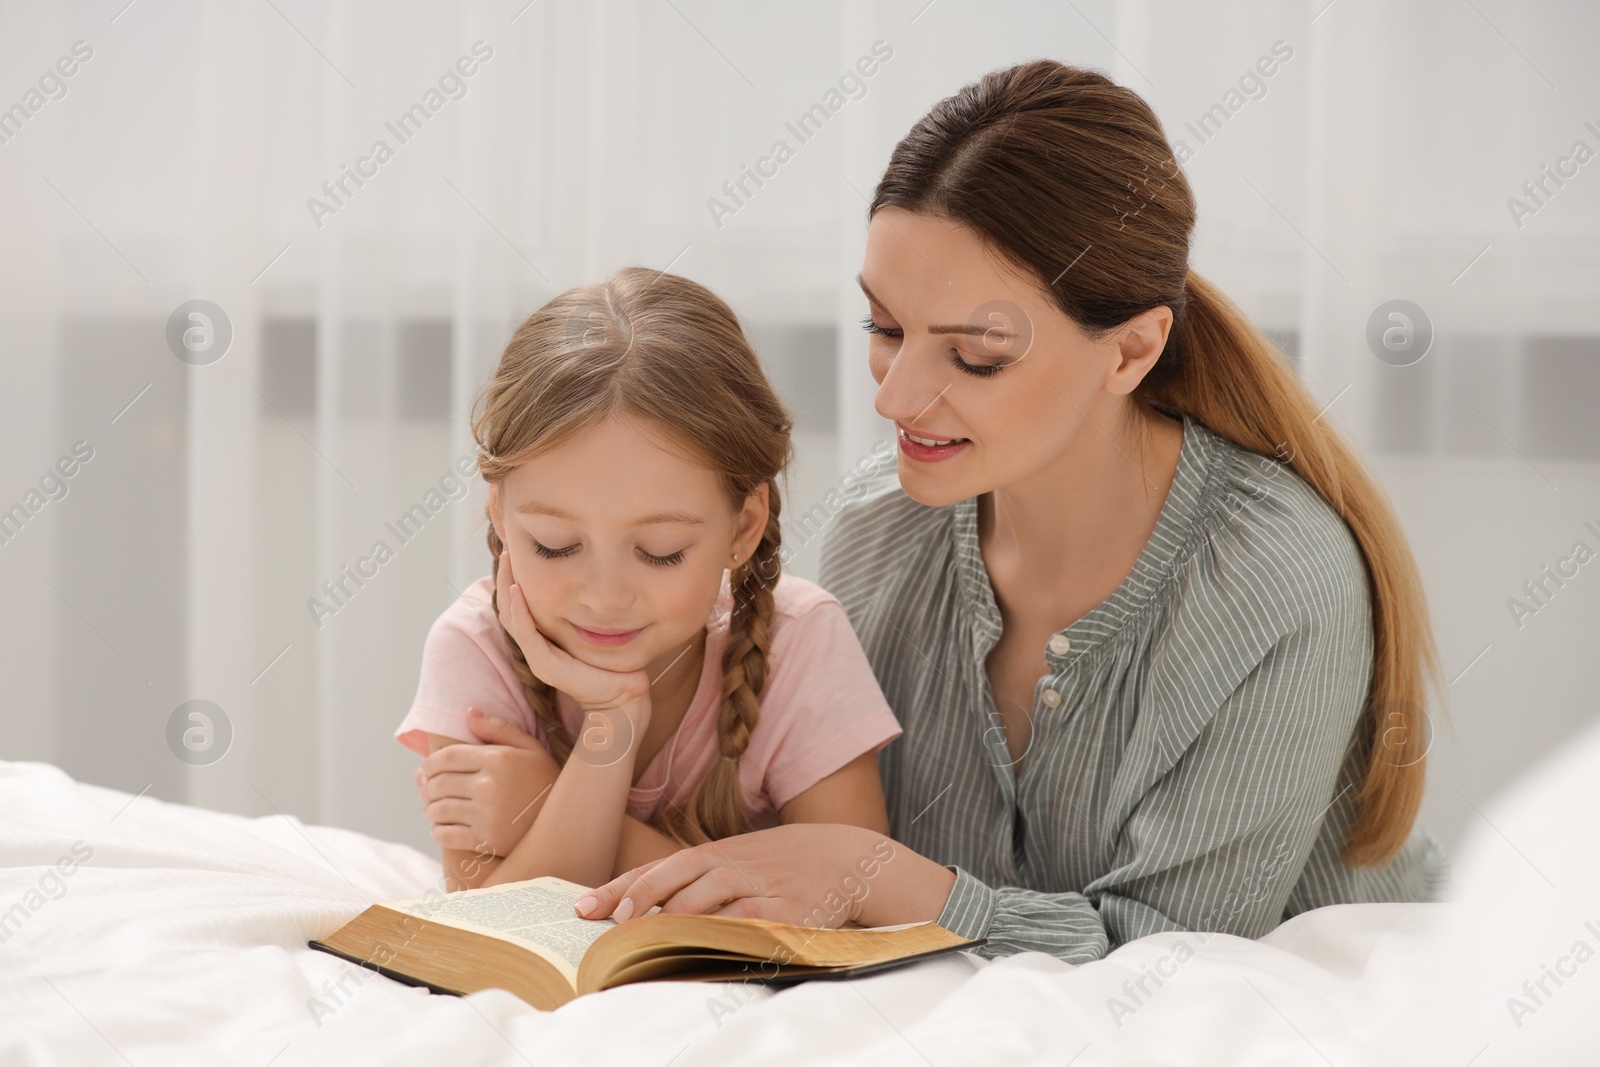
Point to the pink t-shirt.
(822, 706)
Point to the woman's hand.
(822, 875)
(600, 693)
(481, 798)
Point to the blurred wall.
(185, 158)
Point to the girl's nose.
(604, 590)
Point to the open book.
(524, 937)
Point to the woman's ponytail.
(1228, 376)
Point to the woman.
(1155, 638)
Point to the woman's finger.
(751, 908)
(718, 888)
(653, 885)
(602, 899)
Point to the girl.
(1158, 642)
(638, 673)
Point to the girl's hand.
(481, 797)
(601, 693)
(822, 875)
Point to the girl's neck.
(674, 680)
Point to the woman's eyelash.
(979, 370)
(654, 561)
(872, 327)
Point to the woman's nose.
(911, 384)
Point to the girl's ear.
(494, 511)
(752, 524)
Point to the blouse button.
(1060, 644)
(1052, 698)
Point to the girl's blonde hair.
(1069, 175)
(666, 350)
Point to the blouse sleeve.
(1218, 843)
(457, 673)
(822, 706)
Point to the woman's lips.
(598, 637)
(931, 453)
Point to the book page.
(538, 914)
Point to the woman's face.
(613, 531)
(967, 348)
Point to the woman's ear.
(1139, 344)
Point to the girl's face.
(966, 348)
(615, 533)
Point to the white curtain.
(185, 155)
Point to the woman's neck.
(1075, 529)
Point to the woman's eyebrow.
(868, 293)
(967, 329)
(533, 507)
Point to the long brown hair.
(1070, 176)
(666, 350)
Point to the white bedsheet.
(182, 940)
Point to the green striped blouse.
(1192, 762)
